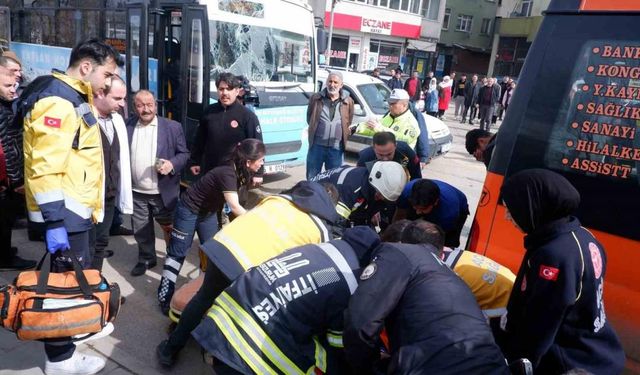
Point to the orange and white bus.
(576, 111)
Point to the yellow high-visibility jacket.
(276, 224)
(490, 282)
(63, 160)
(404, 127)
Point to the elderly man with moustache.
(158, 154)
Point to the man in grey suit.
(158, 155)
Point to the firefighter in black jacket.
(286, 315)
(556, 316)
(433, 322)
(364, 191)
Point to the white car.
(370, 98)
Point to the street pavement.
(140, 326)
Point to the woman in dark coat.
(556, 316)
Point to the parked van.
(576, 111)
(370, 100)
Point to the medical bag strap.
(45, 269)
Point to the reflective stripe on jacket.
(62, 153)
(278, 317)
(404, 127)
(274, 225)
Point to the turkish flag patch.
(549, 273)
(52, 122)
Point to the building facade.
(516, 28)
(382, 34)
(466, 37)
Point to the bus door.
(167, 54)
(193, 93)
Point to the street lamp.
(333, 7)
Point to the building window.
(430, 9)
(394, 4)
(445, 20)
(526, 8)
(464, 23)
(485, 29)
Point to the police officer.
(385, 148)
(302, 215)
(64, 183)
(556, 316)
(431, 317)
(400, 121)
(364, 190)
(292, 308)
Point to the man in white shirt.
(117, 167)
(158, 154)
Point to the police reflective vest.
(356, 194)
(404, 127)
(490, 282)
(274, 225)
(278, 317)
(63, 159)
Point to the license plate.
(446, 147)
(274, 168)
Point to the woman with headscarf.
(444, 90)
(556, 316)
(431, 101)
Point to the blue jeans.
(185, 224)
(319, 155)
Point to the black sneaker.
(165, 358)
(17, 264)
(142, 267)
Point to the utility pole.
(333, 8)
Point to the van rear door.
(576, 110)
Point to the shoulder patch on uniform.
(369, 271)
(596, 259)
(258, 129)
(549, 273)
(52, 122)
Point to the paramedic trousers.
(62, 348)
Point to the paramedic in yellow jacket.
(63, 169)
(490, 282)
(399, 121)
(303, 215)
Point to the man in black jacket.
(433, 322)
(222, 126)
(11, 174)
(469, 91)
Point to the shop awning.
(422, 45)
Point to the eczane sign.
(375, 26)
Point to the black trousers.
(99, 238)
(214, 283)
(60, 349)
(8, 210)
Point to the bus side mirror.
(322, 39)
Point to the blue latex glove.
(57, 239)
